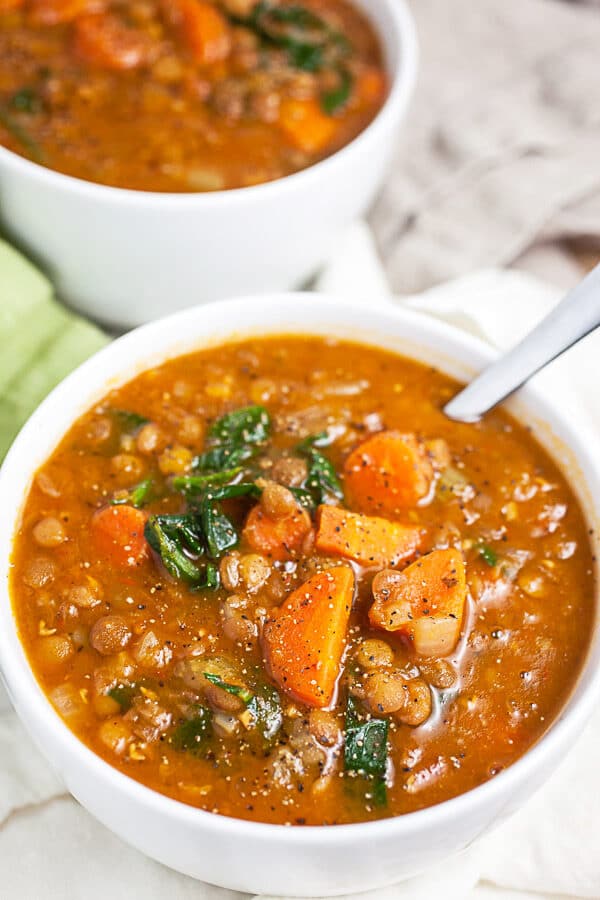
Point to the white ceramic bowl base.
(127, 257)
(229, 852)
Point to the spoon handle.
(574, 317)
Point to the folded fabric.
(51, 847)
(501, 145)
(41, 341)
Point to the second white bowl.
(126, 257)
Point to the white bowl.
(127, 257)
(241, 855)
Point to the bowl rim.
(395, 104)
(20, 679)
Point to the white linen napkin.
(500, 149)
(50, 847)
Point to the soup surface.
(273, 581)
(185, 95)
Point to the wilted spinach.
(137, 496)
(192, 734)
(218, 529)
(174, 538)
(26, 100)
(265, 707)
(263, 704)
(365, 749)
(236, 690)
(321, 483)
(337, 97)
(488, 555)
(130, 422)
(123, 694)
(20, 134)
(304, 498)
(192, 485)
(234, 439)
(310, 42)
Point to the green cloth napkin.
(40, 341)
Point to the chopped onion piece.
(67, 700)
(454, 483)
(225, 725)
(436, 635)
(152, 653)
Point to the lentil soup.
(271, 580)
(185, 95)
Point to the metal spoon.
(574, 317)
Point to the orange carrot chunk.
(305, 124)
(367, 540)
(103, 40)
(304, 640)
(280, 538)
(205, 30)
(425, 602)
(118, 535)
(56, 12)
(388, 473)
(9, 5)
(371, 86)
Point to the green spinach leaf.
(20, 134)
(174, 538)
(205, 529)
(192, 735)
(233, 491)
(322, 482)
(130, 422)
(296, 15)
(365, 749)
(263, 704)
(221, 534)
(123, 694)
(332, 101)
(307, 57)
(236, 690)
(488, 555)
(265, 707)
(219, 530)
(304, 498)
(192, 485)
(248, 425)
(26, 100)
(137, 496)
(309, 41)
(234, 439)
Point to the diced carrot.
(305, 638)
(426, 602)
(367, 540)
(279, 539)
(371, 86)
(56, 12)
(205, 30)
(388, 473)
(306, 125)
(102, 40)
(118, 535)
